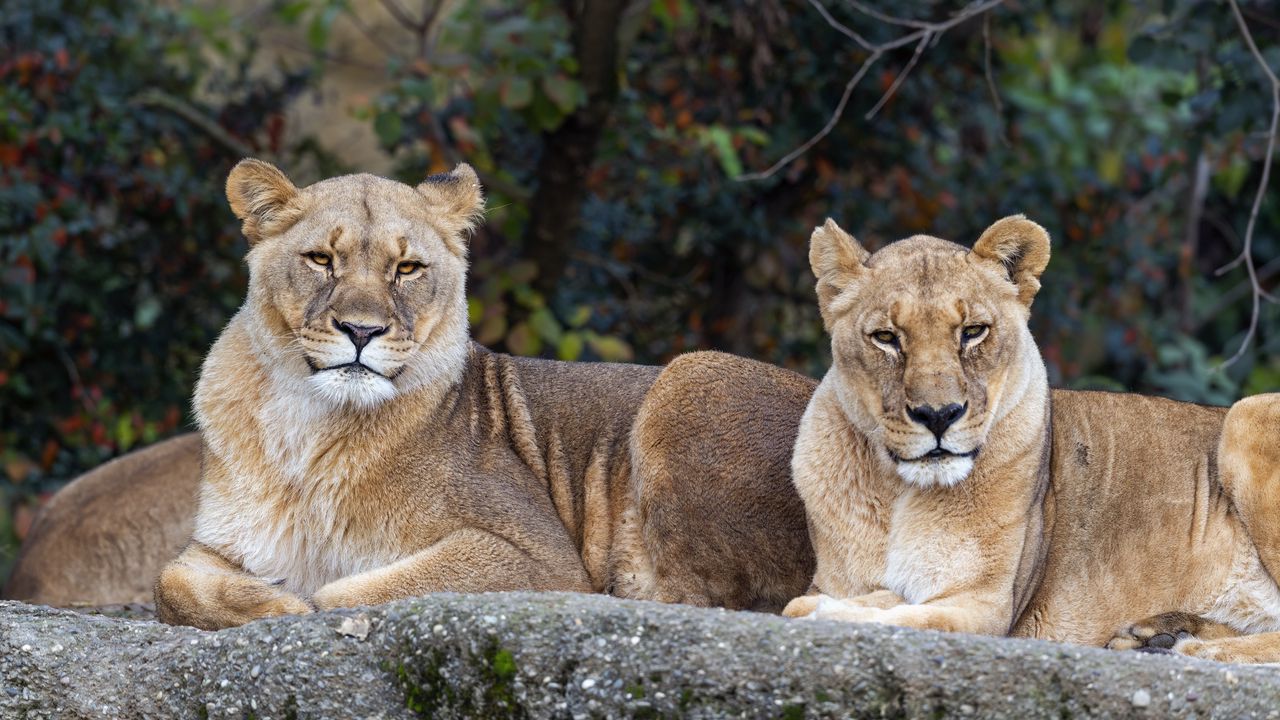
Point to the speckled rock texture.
(582, 656)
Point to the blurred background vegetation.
(617, 140)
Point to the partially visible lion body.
(1143, 521)
(358, 448)
(103, 538)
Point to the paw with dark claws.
(1160, 634)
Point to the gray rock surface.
(582, 656)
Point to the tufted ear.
(837, 258)
(262, 197)
(1021, 248)
(458, 201)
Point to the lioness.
(359, 448)
(939, 496)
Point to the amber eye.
(973, 332)
(408, 267)
(319, 258)
(885, 337)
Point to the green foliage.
(120, 260)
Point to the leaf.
(545, 324)
(720, 140)
(389, 127)
(493, 329)
(318, 28)
(145, 315)
(1110, 166)
(570, 347)
(564, 92)
(579, 317)
(475, 310)
(125, 436)
(515, 93)
(522, 340)
(291, 12)
(610, 349)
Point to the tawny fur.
(1124, 508)
(103, 538)
(339, 476)
(949, 522)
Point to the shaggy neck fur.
(287, 463)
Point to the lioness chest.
(310, 505)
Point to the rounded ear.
(1021, 248)
(262, 197)
(837, 258)
(458, 200)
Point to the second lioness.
(948, 488)
(359, 448)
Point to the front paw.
(1156, 634)
(830, 608)
(802, 606)
(284, 604)
(341, 593)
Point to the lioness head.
(930, 340)
(358, 282)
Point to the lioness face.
(928, 339)
(360, 280)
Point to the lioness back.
(103, 538)
(716, 511)
(572, 425)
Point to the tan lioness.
(358, 448)
(939, 496)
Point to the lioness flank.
(358, 448)
(940, 495)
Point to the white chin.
(937, 472)
(352, 387)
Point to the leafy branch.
(924, 34)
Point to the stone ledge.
(564, 655)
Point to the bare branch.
(371, 35)
(432, 17)
(158, 98)
(841, 27)
(991, 80)
(400, 14)
(897, 82)
(1191, 239)
(886, 18)
(1233, 296)
(925, 33)
(826, 129)
(1247, 252)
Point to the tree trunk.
(569, 150)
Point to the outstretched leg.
(1185, 634)
(1160, 633)
(466, 560)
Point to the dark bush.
(120, 260)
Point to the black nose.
(360, 334)
(937, 419)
